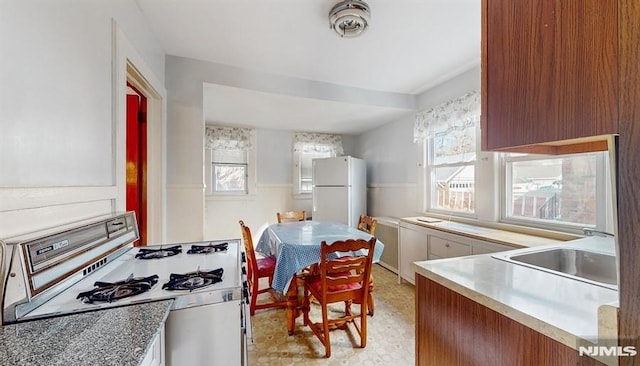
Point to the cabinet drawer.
(446, 248)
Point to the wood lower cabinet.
(454, 330)
(549, 72)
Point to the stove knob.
(244, 271)
(245, 292)
(244, 258)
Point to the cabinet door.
(549, 71)
(155, 353)
(413, 248)
(218, 324)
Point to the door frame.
(130, 67)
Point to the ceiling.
(410, 46)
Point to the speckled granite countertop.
(116, 336)
(563, 309)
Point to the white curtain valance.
(456, 114)
(319, 142)
(228, 138)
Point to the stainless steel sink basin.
(583, 265)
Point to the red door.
(137, 160)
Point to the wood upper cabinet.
(549, 73)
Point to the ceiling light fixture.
(349, 18)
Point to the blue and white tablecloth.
(296, 245)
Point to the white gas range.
(92, 265)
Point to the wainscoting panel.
(222, 213)
(387, 232)
(24, 210)
(185, 213)
(394, 200)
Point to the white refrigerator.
(339, 189)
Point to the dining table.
(296, 246)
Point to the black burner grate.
(146, 253)
(109, 292)
(206, 249)
(193, 280)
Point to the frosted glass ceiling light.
(349, 18)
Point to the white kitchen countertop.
(564, 309)
(489, 234)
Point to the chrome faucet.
(592, 232)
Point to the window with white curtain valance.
(228, 160)
(456, 114)
(228, 138)
(317, 142)
(306, 147)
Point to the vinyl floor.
(390, 341)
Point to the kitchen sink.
(584, 265)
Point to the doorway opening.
(136, 155)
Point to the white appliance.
(339, 189)
(93, 266)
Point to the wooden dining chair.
(258, 268)
(340, 279)
(368, 225)
(291, 216)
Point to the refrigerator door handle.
(313, 200)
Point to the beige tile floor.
(390, 340)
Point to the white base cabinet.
(155, 353)
(418, 243)
(207, 335)
(446, 248)
(413, 246)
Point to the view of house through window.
(562, 189)
(229, 170)
(559, 192)
(452, 168)
(229, 151)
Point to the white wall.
(57, 120)
(275, 156)
(274, 191)
(392, 156)
(451, 89)
(58, 131)
(190, 215)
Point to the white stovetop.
(126, 264)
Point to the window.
(449, 132)
(567, 190)
(228, 159)
(452, 157)
(229, 171)
(304, 163)
(309, 146)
